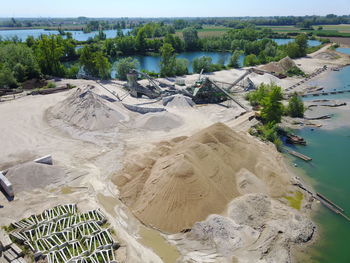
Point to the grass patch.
(296, 200)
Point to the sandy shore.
(90, 158)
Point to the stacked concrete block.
(62, 235)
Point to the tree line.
(48, 55)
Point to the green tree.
(181, 66)
(295, 107)
(49, 52)
(258, 96)
(103, 66)
(168, 61)
(141, 43)
(250, 60)
(272, 106)
(7, 80)
(200, 63)
(190, 36)
(20, 60)
(301, 41)
(94, 62)
(292, 50)
(234, 59)
(125, 65)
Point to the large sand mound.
(164, 121)
(184, 180)
(281, 66)
(29, 176)
(85, 109)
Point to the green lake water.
(329, 174)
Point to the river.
(329, 174)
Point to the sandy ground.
(88, 158)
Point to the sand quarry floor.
(90, 136)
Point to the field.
(343, 28)
(209, 31)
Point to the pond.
(77, 35)
(344, 50)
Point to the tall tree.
(191, 39)
(49, 52)
(168, 62)
(272, 106)
(295, 107)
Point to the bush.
(269, 132)
(234, 59)
(204, 63)
(72, 72)
(50, 85)
(181, 66)
(295, 107)
(125, 65)
(295, 71)
(257, 97)
(251, 60)
(7, 79)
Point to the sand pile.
(85, 109)
(281, 66)
(178, 101)
(184, 180)
(158, 121)
(29, 176)
(257, 228)
(328, 55)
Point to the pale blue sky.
(173, 8)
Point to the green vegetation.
(190, 36)
(234, 59)
(169, 65)
(295, 71)
(124, 66)
(295, 107)
(94, 62)
(200, 63)
(296, 200)
(268, 97)
(46, 56)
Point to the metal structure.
(207, 91)
(152, 90)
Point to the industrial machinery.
(152, 90)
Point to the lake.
(152, 63)
(284, 41)
(329, 172)
(77, 35)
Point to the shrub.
(125, 65)
(251, 60)
(181, 66)
(295, 71)
(204, 63)
(295, 107)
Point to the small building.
(6, 185)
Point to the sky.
(173, 8)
